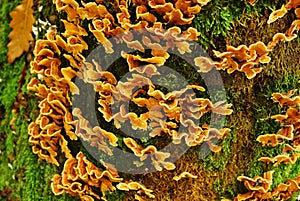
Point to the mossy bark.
(25, 177)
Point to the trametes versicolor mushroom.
(170, 105)
(246, 59)
(123, 92)
(284, 158)
(96, 136)
(295, 26)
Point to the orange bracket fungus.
(141, 189)
(61, 60)
(277, 14)
(262, 191)
(243, 58)
(80, 177)
(184, 174)
(258, 187)
(289, 128)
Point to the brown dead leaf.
(21, 24)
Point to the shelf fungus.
(81, 177)
(245, 58)
(96, 136)
(291, 116)
(205, 64)
(289, 131)
(286, 133)
(286, 98)
(295, 26)
(183, 175)
(277, 14)
(46, 132)
(284, 158)
(258, 187)
(283, 191)
(60, 59)
(132, 185)
(157, 157)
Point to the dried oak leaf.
(21, 24)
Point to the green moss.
(115, 196)
(29, 177)
(21, 170)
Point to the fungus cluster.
(61, 57)
(290, 131)
(52, 89)
(179, 107)
(141, 189)
(157, 157)
(241, 58)
(259, 188)
(96, 136)
(80, 177)
(245, 58)
(295, 26)
(285, 191)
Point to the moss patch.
(23, 175)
